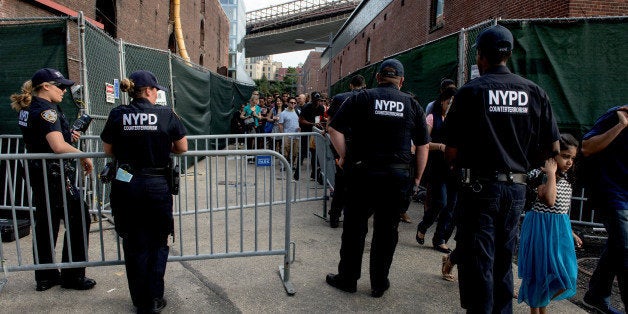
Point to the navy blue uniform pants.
(142, 210)
(47, 225)
(486, 240)
(340, 193)
(377, 192)
(614, 259)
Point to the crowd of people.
(483, 157)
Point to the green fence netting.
(581, 64)
(25, 49)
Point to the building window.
(200, 60)
(403, 2)
(202, 32)
(436, 20)
(368, 50)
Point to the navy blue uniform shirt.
(610, 164)
(142, 133)
(499, 122)
(383, 121)
(39, 119)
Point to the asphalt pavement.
(253, 285)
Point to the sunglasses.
(58, 85)
(293, 102)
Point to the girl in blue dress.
(547, 258)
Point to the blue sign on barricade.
(264, 161)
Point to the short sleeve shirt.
(309, 113)
(611, 164)
(500, 122)
(141, 134)
(383, 122)
(39, 119)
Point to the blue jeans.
(614, 259)
(486, 240)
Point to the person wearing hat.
(499, 127)
(383, 122)
(45, 129)
(141, 136)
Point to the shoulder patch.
(49, 115)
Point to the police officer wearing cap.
(46, 130)
(383, 122)
(141, 137)
(338, 201)
(498, 125)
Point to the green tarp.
(581, 64)
(25, 49)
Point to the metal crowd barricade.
(304, 189)
(204, 228)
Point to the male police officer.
(496, 126)
(340, 185)
(383, 121)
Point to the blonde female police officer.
(141, 137)
(46, 130)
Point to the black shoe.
(81, 283)
(442, 248)
(419, 240)
(334, 220)
(337, 282)
(43, 285)
(158, 305)
(599, 305)
(379, 292)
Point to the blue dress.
(547, 259)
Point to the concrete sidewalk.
(252, 285)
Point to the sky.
(290, 59)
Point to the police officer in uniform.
(46, 130)
(141, 137)
(340, 186)
(383, 122)
(497, 127)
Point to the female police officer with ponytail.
(46, 130)
(141, 137)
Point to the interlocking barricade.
(212, 218)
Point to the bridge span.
(273, 30)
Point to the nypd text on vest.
(389, 108)
(508, 101)
(139, 121)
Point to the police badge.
(49, 115)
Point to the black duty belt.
(520, 178)
(151, 172)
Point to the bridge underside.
(282, 40)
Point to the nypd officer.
(338, 201)
(141, 137)
(46, 130)
(495, 130)
(383, 122)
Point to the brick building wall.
(312, 79)
(146, 23)
(405, 24)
